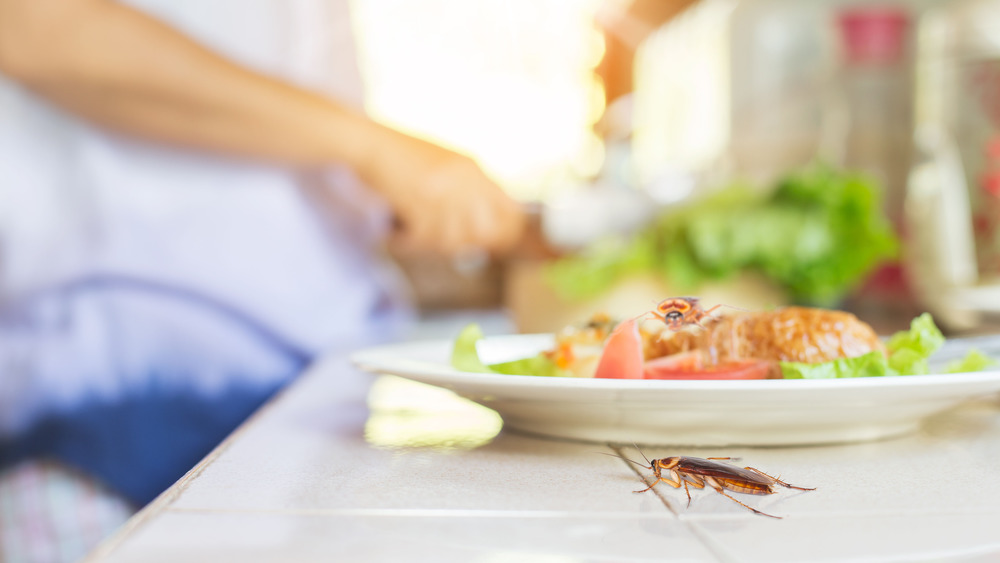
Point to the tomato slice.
(684, 366)
(622, 359)
(683, 362)
(622, 355)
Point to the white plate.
(695, 413)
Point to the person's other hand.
(443, 201)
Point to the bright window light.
(509, 82)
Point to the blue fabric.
(137, 382)
(139, 445)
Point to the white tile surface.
(923, 536)
(511, 473)
(316, 458)
(953, 462)
(422, 476)
(258, 537)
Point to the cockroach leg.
(750, 508)
(719, 489)
(648, 488)
(779, 481)
(656, 482)
(675, 481)
(695, 482)
(759, 472)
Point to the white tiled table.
(424, 476)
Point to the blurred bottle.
(972, 112)
(868, 127)
(953, 199)
(781, 56)
(868, 122)
(736, 88)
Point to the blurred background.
(754, 152)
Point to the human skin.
(126, 71)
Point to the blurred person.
(191, 207)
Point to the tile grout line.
(422, 512)
(716, 548)
(642, 478)
(504, 513)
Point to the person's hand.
(443, 201)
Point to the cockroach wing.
(709, 468)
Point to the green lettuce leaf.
(973, 361)
(465, 357)
(817, 234)
(909, 350)
(873, 364)
(536, 365)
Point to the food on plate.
(791, 334)
(579, 348)
(789, 343)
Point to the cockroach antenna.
(638, 449)
(625, 458)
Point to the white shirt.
(78, 202)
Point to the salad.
(786, 343)
(817, 233)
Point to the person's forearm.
(122, 69)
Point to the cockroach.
(679, 312)
(698, 472)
